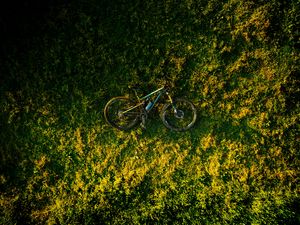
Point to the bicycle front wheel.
(179, 116)
(120, 113)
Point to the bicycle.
(124, 113)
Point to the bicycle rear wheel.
(179, 116)
(116, 114)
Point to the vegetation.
(238, 61)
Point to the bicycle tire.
(184, 107)
(113, 113)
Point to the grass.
(62, 164)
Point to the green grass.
(236, 60)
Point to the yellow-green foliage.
(238, 61)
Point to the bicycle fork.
(179, 114)
(171, 101)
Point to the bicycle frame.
(142, 100)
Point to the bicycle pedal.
(143, 126)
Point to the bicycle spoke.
(114, 113)
(180, 117)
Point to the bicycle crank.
(144, 117)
